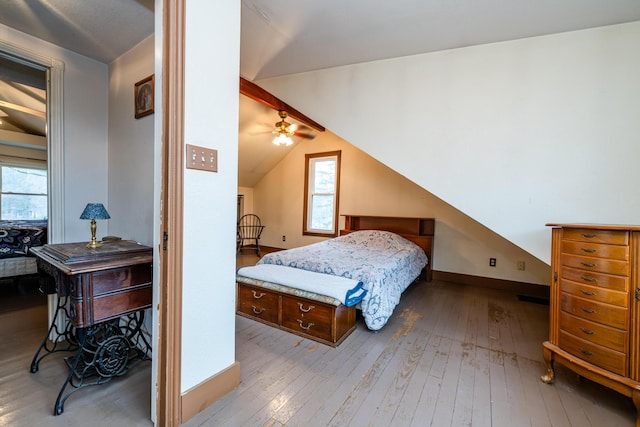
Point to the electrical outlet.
(492, 262)
(521, 265)
(284, 238)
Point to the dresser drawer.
(89, 311)
(308, 317)
(595, 293)
(258, 303)
(599, 250)
(601, 265)
(107, 294)
(595, 354)
(593, 278)
(612, 237)
(606, 314)
(612, 338)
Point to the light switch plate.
(202, 158)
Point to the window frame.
(306, 217)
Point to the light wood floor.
(27, 399)
(450, 356)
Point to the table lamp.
(94, 211)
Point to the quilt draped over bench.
(348, 291)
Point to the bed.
(16, 240)
(376, 258)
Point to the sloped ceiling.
(22, 105)
(280, 37)
(99, 29)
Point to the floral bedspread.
(17, 237)
(385, 262)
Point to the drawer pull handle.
(589, 251)
(588, 264)
(587, 310)
(586, 331)
(256, 311)
(306, 328)
(257, 295)
(637, 294)
(302, 309)
(586, 352)
(588, 279)
(587, 292)
(588, 236)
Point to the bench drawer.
(258, 303)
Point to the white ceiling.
(99, 29)
(280, 37)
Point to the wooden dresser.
(594, 308)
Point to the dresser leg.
(548, 361)
(635, 396)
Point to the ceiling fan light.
(282, 139)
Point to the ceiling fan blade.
(304, 135)
(266, 132)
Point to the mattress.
(17, 266)
(384, 262)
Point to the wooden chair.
(249, 228)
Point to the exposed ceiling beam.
(16, 107)
(25, 140)
(260, 95)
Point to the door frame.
(55, 150)
(55, 131)
(168, 410)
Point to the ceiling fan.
(285, 130)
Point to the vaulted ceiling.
(280, 37)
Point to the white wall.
(514, 134)
(248, 199)
(211, 120)
(131, 159)
(131, 147)
(369, 187)
(85, 131)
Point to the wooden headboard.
(418, 230)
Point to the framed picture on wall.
(143, 96)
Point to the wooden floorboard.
(27, 399)
(451, 355)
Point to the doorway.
(24, 73)
(51, 148)
(23, 181)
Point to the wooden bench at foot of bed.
(320, 321)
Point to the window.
(321, 194)
(23, 194)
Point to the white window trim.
(309, 159)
